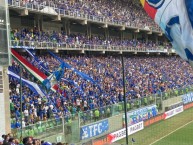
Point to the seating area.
(33, 35)
(145, 78)
(82, 42)
(121, 12)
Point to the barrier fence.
(86, 47)
(70, 126)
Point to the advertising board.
(187, 106)
(173, 112)
(141, 114)
(120, 134)
(187, 98)
(93, 130)
(101, 141)
(153, 120)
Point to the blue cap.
(47, 143)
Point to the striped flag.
(32, 69)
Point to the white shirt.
(39, 101)
(17, 90)
(26, 112)
(85, 103)
(35, 112)
(78, 102)
(23, 123)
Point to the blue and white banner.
(39, 62)
(66, 65)
(92, 130)
(33, 86)
(175, 18)
(187, 98)
(141, 114)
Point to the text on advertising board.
(154, 120)
(94, 129)
(173, 112)
(187, 98)
(141, 114)
(115, 136)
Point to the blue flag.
(54, 77)
(60, 72)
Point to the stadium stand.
(77, 40)
(146, 76)
(120, 12)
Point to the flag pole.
(125, 100)
(21, 101)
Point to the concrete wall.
(15, 23)
(4, 102)
(52, 26)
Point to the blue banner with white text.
(93, 130)
(141, 114)
(187, 98)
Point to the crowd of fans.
(124, 12)
(8, 139)
(145, 76)
(80, 40)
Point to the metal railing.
(66, 46)
(52, 9)
(40, 129)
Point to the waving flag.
(32, 69)
(175, 17)
(50, 80)
(81, 74)
(33, 86)
(54, 77)
(39, 62)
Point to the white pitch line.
(171, 132)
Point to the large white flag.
(175, 18)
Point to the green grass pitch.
(177, 130)
(183, 136)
